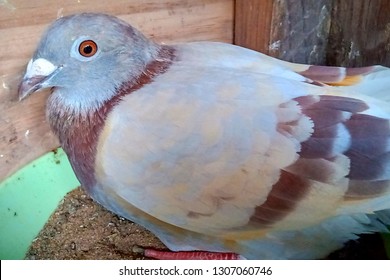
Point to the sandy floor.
(82, 229)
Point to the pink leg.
(186, 255)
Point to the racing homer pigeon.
(214, 147)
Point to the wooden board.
(252, 24)
(24, 133)
(340, 32)
(360, 33)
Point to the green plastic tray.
(28, 198)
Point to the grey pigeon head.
(85, 58)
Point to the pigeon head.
(85, 58)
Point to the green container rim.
(29, 197)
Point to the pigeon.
(220, 151)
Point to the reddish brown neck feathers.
(78, 134)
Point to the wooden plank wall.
(327, 32)
(24, 133)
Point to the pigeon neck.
(79, 133)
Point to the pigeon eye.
(88, 48)
(84, 49)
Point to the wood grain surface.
(360, 33)
(24, 132)
(327, 32)
(252, 24)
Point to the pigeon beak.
(37, 75)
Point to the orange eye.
(88, 48)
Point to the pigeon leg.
(186, 255)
